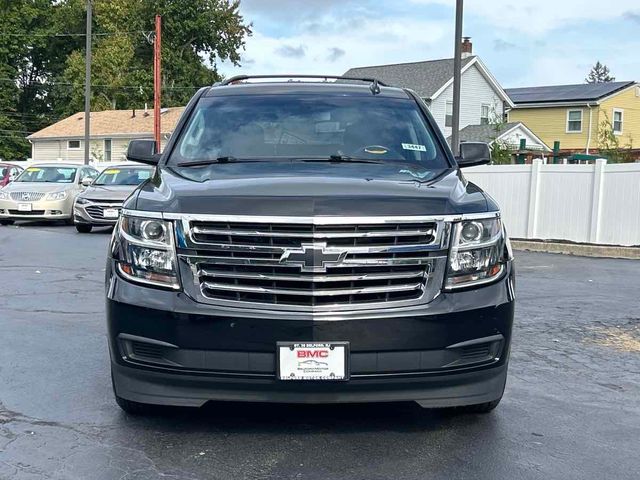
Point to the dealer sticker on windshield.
(413, 146)
(313, 361)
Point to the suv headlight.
(477, 252)
(57, 196)
(144, 251)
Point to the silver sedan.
(100, 203)
(44, 192)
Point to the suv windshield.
(48, 175)
(308, 126)
(123, 176)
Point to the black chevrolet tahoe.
(309, 241)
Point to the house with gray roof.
(482, 99)
(510, 134)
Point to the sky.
(523, 42)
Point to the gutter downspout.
(590, 121)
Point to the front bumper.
(170, 350)
(40, 210)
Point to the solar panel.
(564, 93)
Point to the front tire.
(83, 228)
(7, 222)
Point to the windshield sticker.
(33, 169)
(376, 150)
(412, 146)
(112, 172)
(418, 175)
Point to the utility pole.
(87, 87)
(457, 67)
(157, 83)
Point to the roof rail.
(240, 78)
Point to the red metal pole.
(157, 86)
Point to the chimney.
(467, 47)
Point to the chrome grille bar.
(313, 292)
(316, 278)
(312, 235)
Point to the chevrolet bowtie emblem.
(312, 257)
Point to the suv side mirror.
(86, 181)
(143, 151)
(473, 153)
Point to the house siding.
(474, 92)
(629, 102)
(43, 150)
(550, 124)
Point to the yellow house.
(574, 114)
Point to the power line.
(61, 35)
(121, 87)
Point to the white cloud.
(535, 17)
(334, 45)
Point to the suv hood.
(308, 189)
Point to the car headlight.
(57, 196)
(144, 251)
(477, 253)
(81, 201)
(4, 195)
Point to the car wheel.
(6, 222)
(83, 228)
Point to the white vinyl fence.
(598, 203)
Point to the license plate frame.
(25, 207)
(111, 213)
(338, 355)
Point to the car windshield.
(48, 175)
(123, 176)
(308, 126)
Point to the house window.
(448, 114)
(73, 145)
(574, 121)
(107, 149)
(617, 121)
(484, 114)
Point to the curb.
(579, 249)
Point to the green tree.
(501, 152)
(609, 143)
(599, 74)
(195, 36)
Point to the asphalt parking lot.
(571, 409)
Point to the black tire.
(7, 222)
(83, 228)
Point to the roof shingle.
(111, 122)
(425, 78)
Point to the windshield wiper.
(209, 161)
(337, 158)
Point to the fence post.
(534, 189)
(596, 199)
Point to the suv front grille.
(310, 265)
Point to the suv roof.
(305, 88)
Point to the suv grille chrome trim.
(352, 264)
